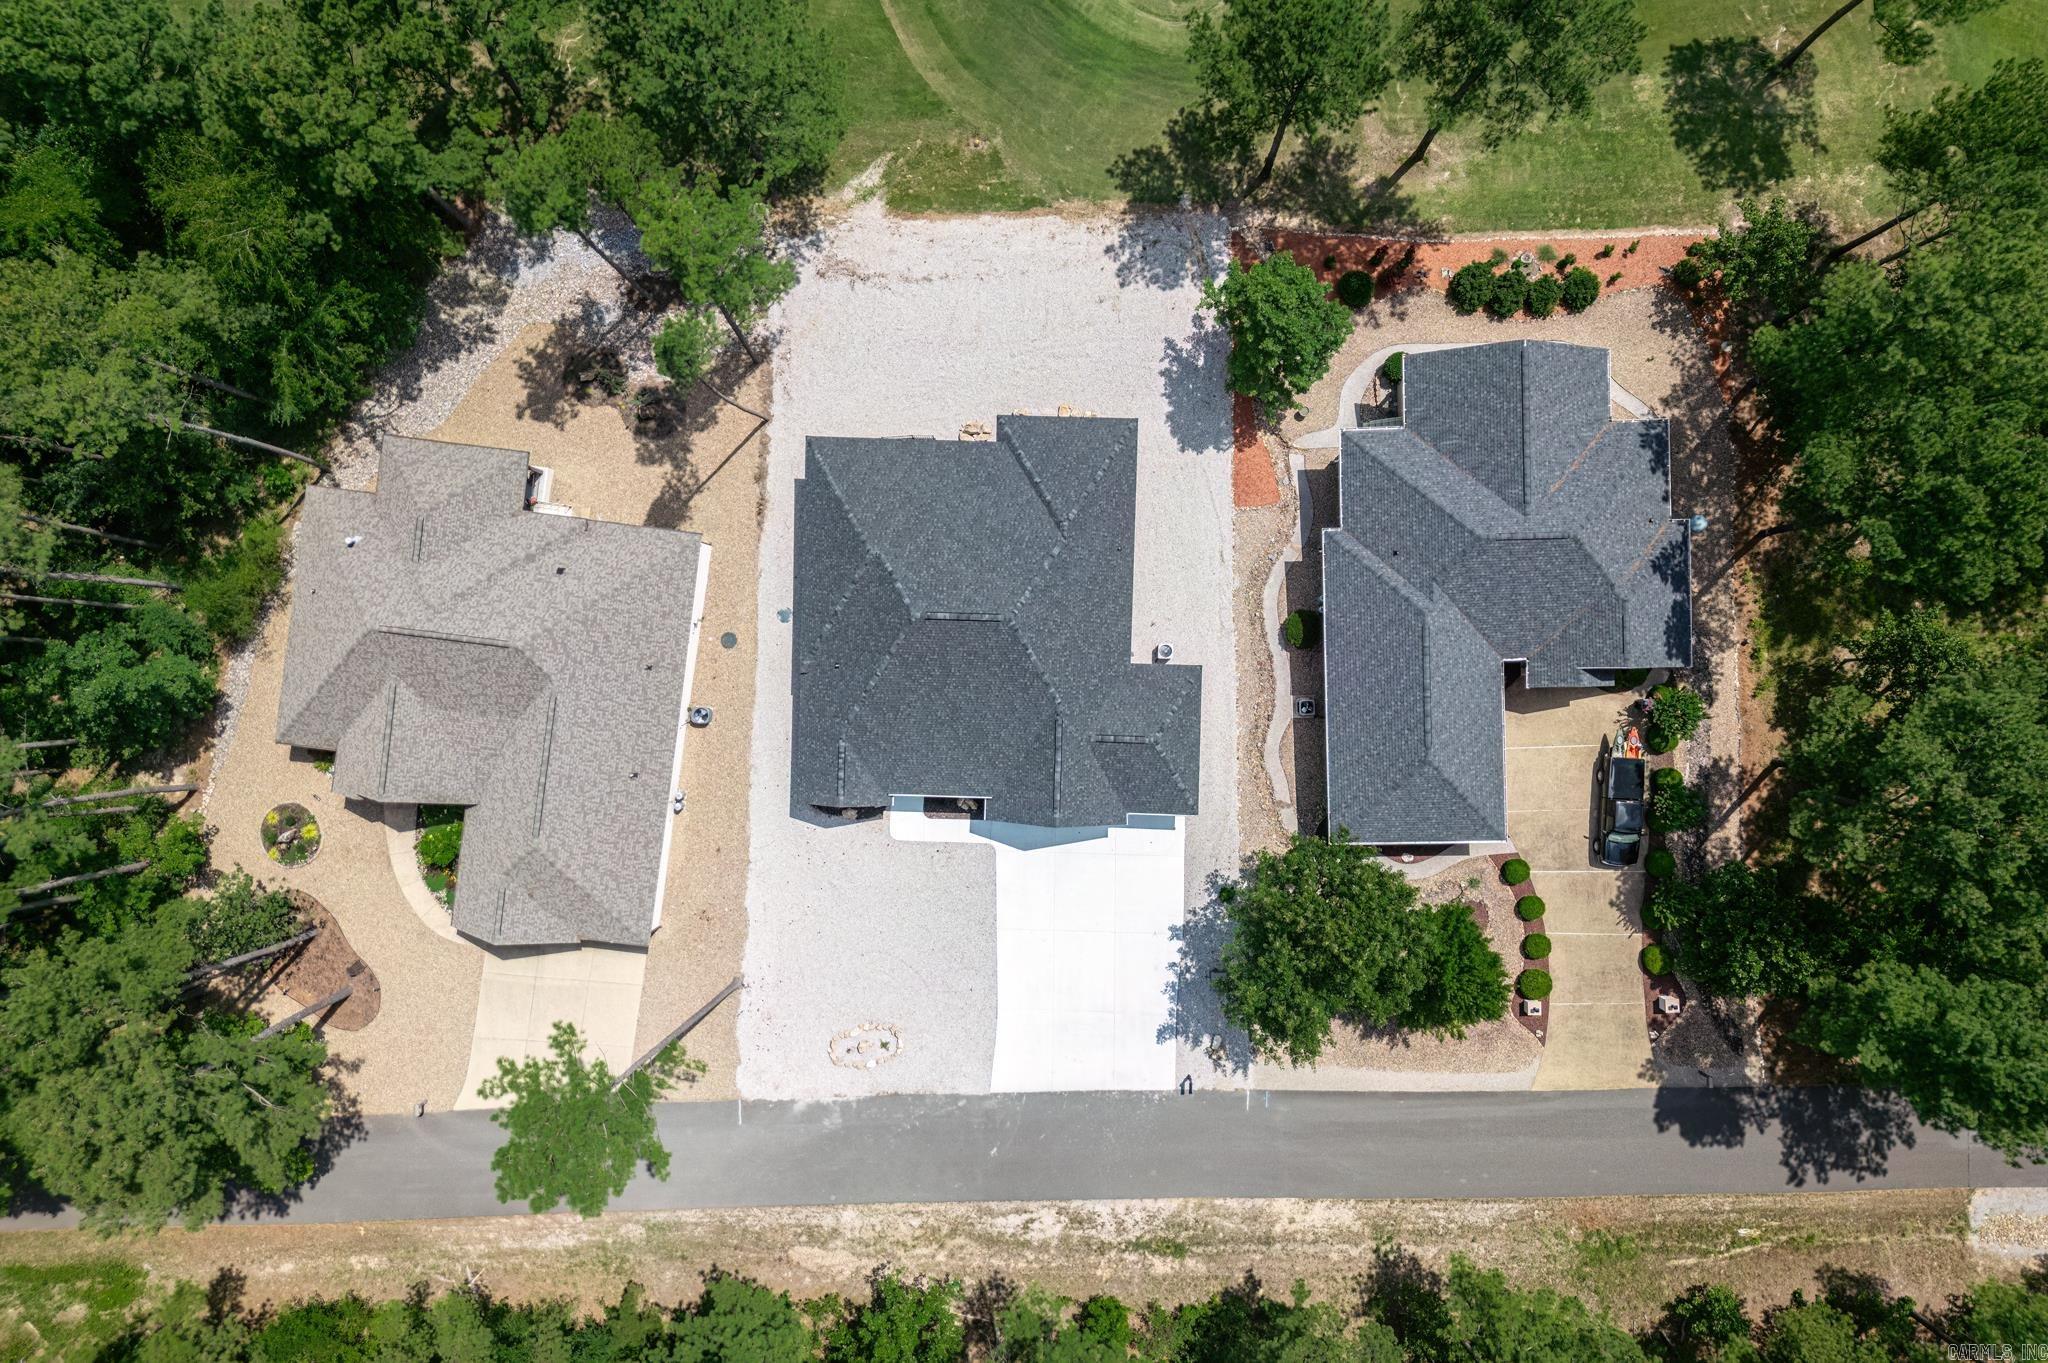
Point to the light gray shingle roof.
(963, 627)
(1506, 517)
(467, 651)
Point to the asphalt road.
(1061, 1146)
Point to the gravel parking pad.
(915, 327)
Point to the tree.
(1284, 327)
(240, 915)
(1503, 63)
(1764, 267)
(1289, 65)
(686, 346)
(1741, 933)
(1467, 984)
(550, 183)
(1497, 1324)
(710, 242)
(1319, 931)
(1814, 1332)
(132, 1108)
(1904, 27)
(739, 92)
(901, 1322)
(1033, 1328)
(571, 1134)
(1702, 1322)
(738, 1319)
(132, 686)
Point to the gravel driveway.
(918, 327)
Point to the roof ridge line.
(1024, 466)
(853, 710)
(1522, 411)
(1087, 499)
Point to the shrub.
(1471, 287)
(1543, 295)
(1686, 275)
(1546, 253)
(1329, 262)
(1676, 807)
(1302, 629)
(441, 842)
(1581, 287)
(1392, 368)
(1529, 908)
(1514, 871)
(240, 916)
(1566, 261)
(1675, 715)
(1653, 960)
(231, 585)
(1354, 289)
(1665, 778)
(1632, 247)
(1535, 947)
(1614, 279)
(1533, 984)
(1660, 864)
(1510, 290)
(132, 684)
(1498, 258)
(1604, 251)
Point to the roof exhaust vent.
(1162, 653)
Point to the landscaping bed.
(439, 849)
(290, 835)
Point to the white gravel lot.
(916, 327)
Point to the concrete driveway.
(1598, 1038)
(525, 991)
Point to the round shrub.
(1533, 984)
(1675, 715)
(1676, 807)
(1471, 287)
(1653, 960)
(1354, 289)
(1686, 275)
(1543, 295)
(1535, 947)
(1302, 629)
(1581, 287)
(1392, 368)
(1666, 778)
(1514, 871)
(1510, 291)
(1566, 261)
(1529, 908)
(1660, 864)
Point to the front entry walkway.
(1598, 1038)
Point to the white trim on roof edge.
(675, 771)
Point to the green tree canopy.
(1284, 327)
(901, 1322)
(1280, 66)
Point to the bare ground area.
(1627, 1254)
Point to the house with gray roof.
(450, 646)
(1504, 518)
(963, 630)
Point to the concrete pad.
(1562, 716)
(1598, 969)
(1553, 840)
(1591, 903)
(526, 991)
(1597, 1046)
(1552, 778)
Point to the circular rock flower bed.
(290, 837)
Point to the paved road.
(1049, 1147)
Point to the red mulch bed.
(324, 965)
(1251, 465)
(1398, 264)
(1538, 1027)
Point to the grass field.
(1005, 104)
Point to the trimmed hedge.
(1302, 629)
(1581, 288)
(1660, 864)
(1510, 291)
(1392, 368)
(1471, 287)
(1529, 908)
(1653, 960)
(1354, 289)
(1533, 984)
(1514, 871)
(1536, 946)
(1666, 778)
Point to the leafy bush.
(1536, 946)
(1392, 368)
(1677, 807)
(1514, 871)
(1461, 980)
(131, 686)
(1303, 629)
(1543, 295)
(440, 839)
(231, 585)
(1529, 908)
(1614, 279)
(1566, 261)
(1653, 960)
(1510, 291)
(1660, 864)
(1354, 289)
(1283, 327)
(1533, 984)
(1666, 778)
(1546, 253)
(240, 916)
(1581, 287)
(1471, 287)
(1687, 274)
(1604, 251)
(1675, 715)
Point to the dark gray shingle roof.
(963, 627)
(1507, 517)
(467, 651)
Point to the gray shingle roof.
(963, 628)
(1506, 517)
(467, 651)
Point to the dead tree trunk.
(69, 528)
(1778, 71)
(1873, 234)
(50, 743)
(679, 1033)
(250, 957)
(215, 384)
(233, 439)
(449, 213)
(70, 601)
(157, 583)
(54, 901)
(117, 794)
(127, 868)
(317, 1006)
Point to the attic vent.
(984, 617)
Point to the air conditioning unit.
(1668, 1004)
(1532, 1008)
(1162, 653)
(1304, 707)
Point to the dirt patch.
(1626, 1254)
(324, 965)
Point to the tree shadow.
(1194, 1011)
(1737, 132)
(1202, 158)
(1324, 183)
(1197, 394)
(1824, 1132)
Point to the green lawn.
(999, 104)
(66, 1311)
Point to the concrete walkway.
(1598, 1036)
